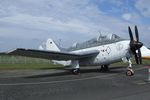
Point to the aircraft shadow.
(50, 74)
(67, 72)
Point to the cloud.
(127, 16)
(69, 20)
(132, 17)
(149, 28)
(46, 23)
(143, 7)
(73, 18)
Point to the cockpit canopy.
(105, 39)
(101, 40)
(108, 37)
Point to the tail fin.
(51, 45)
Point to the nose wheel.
(130, 72)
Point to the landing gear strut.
(129, 71)
(76, 67)
(104, 68)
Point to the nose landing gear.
(130, 72)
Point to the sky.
(29, 23)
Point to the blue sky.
(28, 23)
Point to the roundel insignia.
(108, 50)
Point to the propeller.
(135, 45)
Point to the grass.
(18, 62)
(144, 61)
(28, 66)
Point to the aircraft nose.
(139, 44)
(136, 46)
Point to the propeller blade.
(130, 33)
(135, 45)
(136, 34)
(140, 57)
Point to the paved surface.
(62, 85)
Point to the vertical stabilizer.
(51, 45)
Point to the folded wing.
(53, 55)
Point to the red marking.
(104, 50)
(148, 67)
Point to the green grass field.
(17, 62)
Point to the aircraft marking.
(108, 50)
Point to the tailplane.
(145, 52)
(51, 45)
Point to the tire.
(76, 71)
(129, 73)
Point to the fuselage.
(108, 53)
(111, 49)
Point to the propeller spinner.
(135, 45)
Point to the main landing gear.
(104, 68)
(75, 71)
(76, 67)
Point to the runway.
(62, 85)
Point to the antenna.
(100, 35)
(59, 42)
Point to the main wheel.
(76, 71)
(104, 68)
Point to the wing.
(53, 55)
